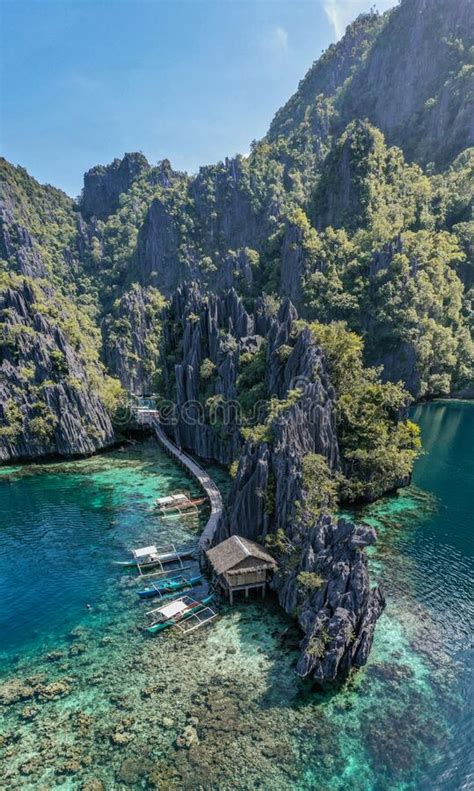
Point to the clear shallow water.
(63, 524)
(120, 700)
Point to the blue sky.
(83, 81)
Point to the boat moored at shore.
(178, 504)
(185, 613)
(151, 557)
(168, 586)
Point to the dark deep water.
(444, 551)
(432, 576)
(87, 698)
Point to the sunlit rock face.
(339, 617)
(428, 116)
(420, 102)
(47, 404)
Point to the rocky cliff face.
(51, 379)
(293, 263)
(17, 245)
(161, 260)
(268, 483)
(423, 103)
(48, 405)
(132, 337)
(210, 333)
(267, 488)
(38, 227)
(231, 208)
(204, 234)
(401, 354)
(206, 331)
(338, 618)
(326, 76)
(236, 271)
(104, 184)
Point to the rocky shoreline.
(339, 619)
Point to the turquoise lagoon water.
(63, 524)
(90, 703)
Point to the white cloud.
(277, 40)
(341, 12)
(333, 13)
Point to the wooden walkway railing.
(200, 476)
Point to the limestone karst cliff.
(338, 613)
(420, 99)
(103, 185)
(50, 400)
(55, 395)
(254, 296)
(323, 211)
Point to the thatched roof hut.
(240, 564)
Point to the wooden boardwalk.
(200, 476)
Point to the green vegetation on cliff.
(388, 268)
(377, 448)
(48, 216)
(49, 329)
(357, 205)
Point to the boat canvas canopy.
(144, 552)
(173, 608)
(172, 498)
(180, 503)
(164, 500)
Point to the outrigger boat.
(168, 586)
(178, 504)
(145, 558)
(185, 613)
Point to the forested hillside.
(357, 206)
